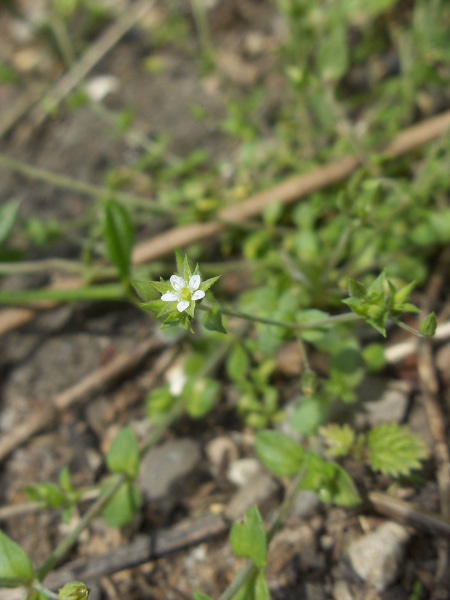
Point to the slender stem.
(54, 264)
(96, 509)
(250, 570)
(45, 591)
(406, 327)
(201, 22)
(94, 292)
(344, 318)
(63, 548)
(82, 187)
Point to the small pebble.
(377, 557)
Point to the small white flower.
(184, 292)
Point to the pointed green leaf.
(248, 539)
(213, 320)
(123, 506)
(15, 566)
(403, 294)
(123, 456)
(8, 216)
(344, 492)
(179, 257)
(237, 364)
(356, 289)
(279, 453)
(205, 285)
(118, 234)
(261, 589)
(146, 290)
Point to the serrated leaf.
(123, 456)
(394, 450)
(15, 565)
(428, 325)
(279, 453)
(248, 539)
(339, 439)
(118, 233)
(8, 216)
(123, 506)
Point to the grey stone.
(165, 471)
(377, 557)
(382, 401)
(260, 490)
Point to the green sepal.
(74, 590)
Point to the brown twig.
(410, 514)
(143, 549)
(118, 367)
(430, 396)
(287, 192)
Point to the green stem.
(250, 570)
(43, 590)
(94, 292)
(201, 22)
(62, 181)
(97, 508)
(332, 320)
(406, 327)
(63, 548)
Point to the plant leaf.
(394, 450)
(15, 565)
(279, 453)
(123, 456)
(8, 216)
(118, 234)
(249, 540)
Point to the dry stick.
(286, 193)
(430, 391)
(410, 514)
(69, 81)
(119, 366)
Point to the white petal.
(178, 283)
(194, 282)
(198, 295)
(169, 297)
(182, 305)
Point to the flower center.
(185, 294)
